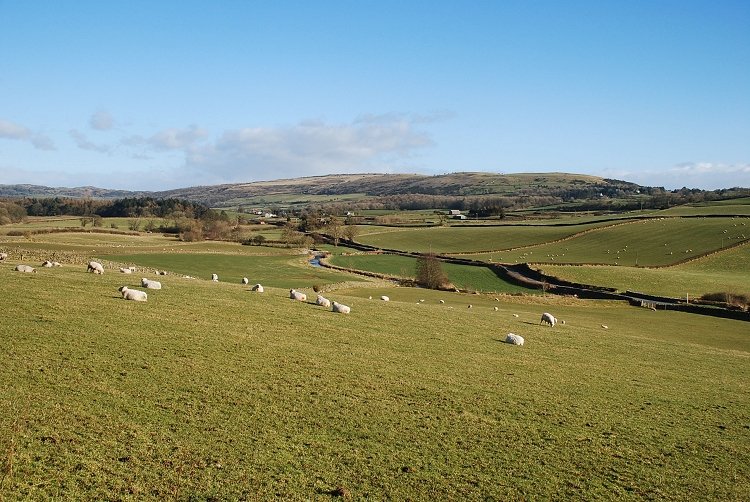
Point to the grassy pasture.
(462, 276)
(469, 239)
(277, 271)
(738, 207)
(727, 271)
(656, 242)
(209, 391)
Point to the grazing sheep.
(244, 280)
(470, 306)
(385, 298)
(133, 294)
(126, 270)
(149, 284)
(3, 256)
(340, 308)
(56, 264)
(161, 272)
(296, 295)
(515, 315)
(548, 318)
(257, 288)
(214, 277)
(25, 268)
(323, 302)
(496, 309)
(605, 326)
(47, 264)
(95, 267)
(442, 301)
(514, 339)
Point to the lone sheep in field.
(514, 339)
(296, 295)
(149, 284)
(244, 280)
(95, 267)
(133, 294)
(496, 309)
(3, 256)
(385, 298)
(442, 301)
(605, 326)
(340, 308)
(323, 302)
(214, 277)
(548, 318)
(258, 288)
(515, 315)
(25, 268)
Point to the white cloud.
(370, 143)
(177, 139)
(9, 130)
(102, 121)
(83, 142)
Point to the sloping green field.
(654, 242)
(470, 239)
(208, 391)
(727, 271)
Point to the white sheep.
(323, 302)
(605, 326)
(296, 295)
(515, 315)
(128, 270)
(214, 277)
(25, 268)
(385, 298)
(56, 264)
(133, 294)
(149, 284)
(496, 309)
(95, 267)
(3, 256)
(47, 264)
(548, 318)
(442, 301)
(340, 308)
(244, 280)
(514, 339)
(257, 288)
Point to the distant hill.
(454, 184)
(40, 191)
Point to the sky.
(156, 95)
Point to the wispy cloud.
(102, 121)
(85, 144)
(178, 139)
(369, 143)
(12, 131)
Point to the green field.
(464, 277)
(653, 242)
(459, 239)
(210, 392)
(727, 271)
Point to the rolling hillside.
(456, 184)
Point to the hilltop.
(373, 185)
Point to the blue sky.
(153, 95)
